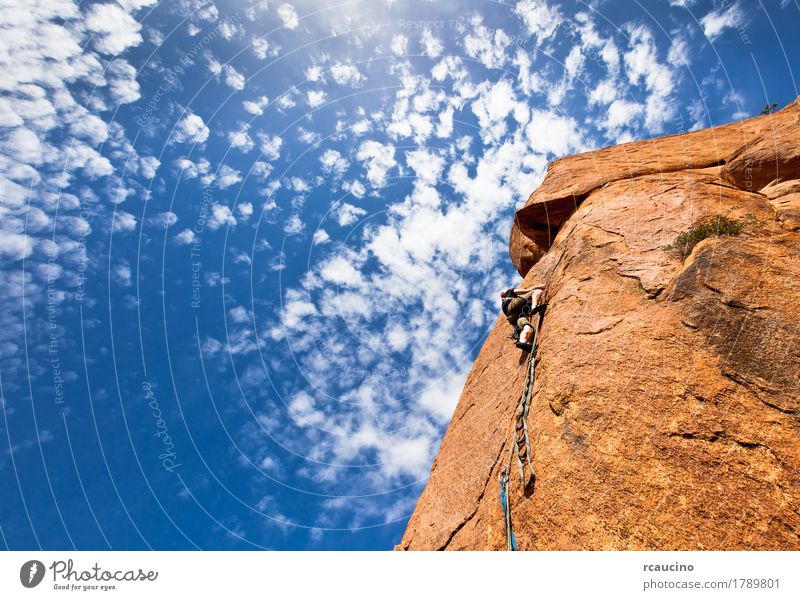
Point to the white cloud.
(285, 101)
(315, 98)
(298, 184)
(245, 210)
(148, 166)
(122, 274)
(412, 124)
(233, 78)
(240, 257)
(314, 73)
(551, 133)
(440, 397)
(229, 29)
(529, 80)
(288, 15)
(163, 219)
(257, 106)
(270, 146)
(622, 112)
(185, 237)
(114, 29)
(320, 237)
(679, 51)
(211, 347)
(123, 221)
(399, 44)
(360, 127)
(263, 48)
(134, 5)
(717, 21)
(698, 112)
(227, 176)
(8, 116)
(431, 45)
(410, 456)
(379, 158)
(15, 246)
(312, 138)
(191, 129)
(221, 215)
(574, 61)
(302, 408)
(24, 145)
(494, 104)
(333, 162)
(541, 19)
(345, 74)
(193, 170)
(341, 272)
(486, 46)
(594, 45)
(604, 93)
(294, 225)
(642, 66)
(80, 156)
(214, 66)
(452, 67)
(427, 164)
(122, 83)
(355, 187)
(240, 139)
(261, 170)
(239, 314)
(347, 214)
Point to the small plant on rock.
(718, 226)
(769, 108)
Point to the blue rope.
(510, 539)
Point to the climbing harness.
(521, 446)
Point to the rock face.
(666, 408)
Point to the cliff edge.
(666, 410)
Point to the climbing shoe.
(524, 346)
(539, 308)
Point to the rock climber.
(519, 306)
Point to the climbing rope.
(511, 542)
(521, 447)
(521, 437)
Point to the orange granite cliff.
(666, 409)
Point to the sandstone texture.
(666, 408)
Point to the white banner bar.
(401, 575)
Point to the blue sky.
(250, 250)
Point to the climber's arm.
(520, 291)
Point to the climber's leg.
(526, 333)
(534, 308)
(536, 295)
